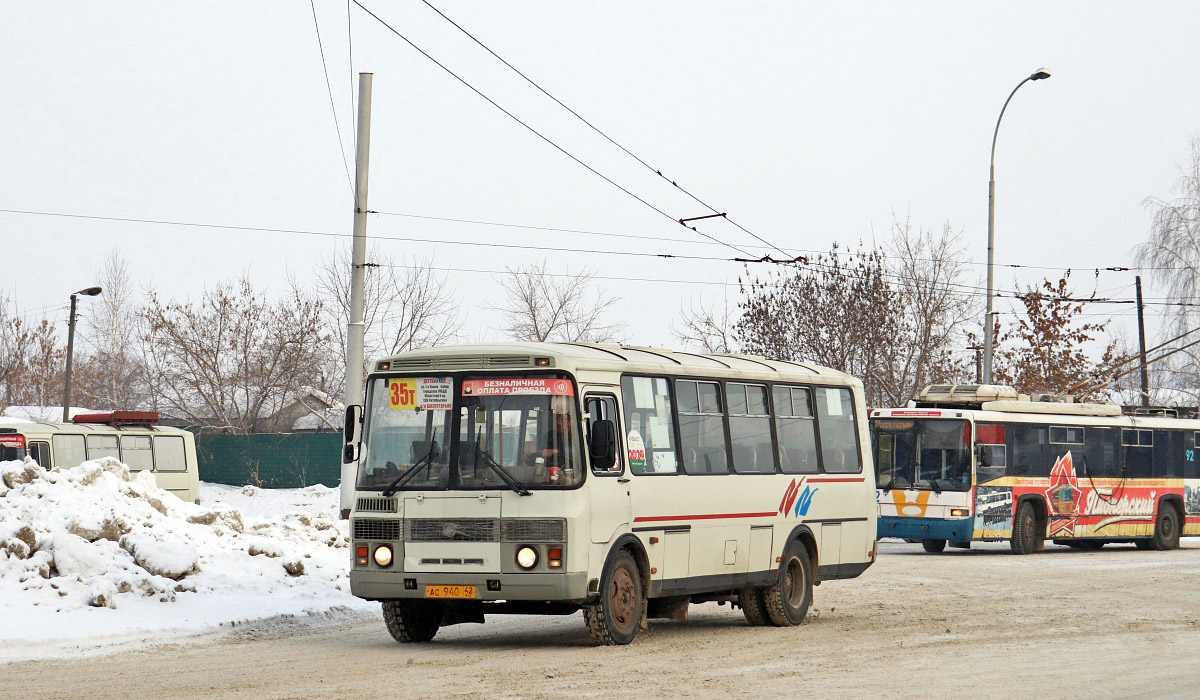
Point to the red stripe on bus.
(827, 481)
(703, 517)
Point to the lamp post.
(988, 321)
(90, 292)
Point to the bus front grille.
(371, 529)
(452, 530)
(377, 505)
(535, 530)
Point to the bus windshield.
(925, 454)
(511, 433)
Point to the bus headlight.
(383, 556)
(527, 557)
(959, 513)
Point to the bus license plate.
(450, 592)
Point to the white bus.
(130, 436)
(627, 482)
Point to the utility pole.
(1142, 344)
(358, 257)
(978, 362)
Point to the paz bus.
(130, 436)
(982, 462)
(626, 482)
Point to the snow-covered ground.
(96, 558)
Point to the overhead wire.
(332, 106)
(538, 133)
(610, 139)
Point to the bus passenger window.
(169, 453)
(40, 453)
(701, 427)
(68, 450)
(99, 446)
(135, 452)
(750, 429)
(795, 430)
(839, 433)
(650, 436)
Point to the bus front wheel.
(411, 620)
(1025, 536)
(787, 600)
(616, 616)
(933, 546)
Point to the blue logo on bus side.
(805, 500)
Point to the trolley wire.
(539, 134)
(329, 88)
(610, 139)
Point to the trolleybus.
(980, 462)
(130, 436)
(625, 482)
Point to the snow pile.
(96, 555)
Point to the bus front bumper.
(387, 585)
(956, 530)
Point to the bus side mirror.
(603, 446)
(351, 433)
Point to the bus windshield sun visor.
(425, 461)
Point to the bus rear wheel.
(411, 620)
(1025, 535)
(1166, 528)
(753, 606)
(933, 546)
(616, 616)
(787, 600)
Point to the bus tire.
(933, 546)
(1025, 538)
(1166, 527)
(787, 600)
(615, 617)
(411, 620)
(754, 607)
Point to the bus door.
(608, 488)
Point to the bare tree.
(707, 328)
(541, 306)
(1173, 252)
(406, 306)
(928, 268)
(834, 310)
(38, 380)
(1045, 351)
(112, 376)
(16, 341)
(233, 358)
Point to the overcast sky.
(808, 123)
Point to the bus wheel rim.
(622, 598)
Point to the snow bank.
(98, 556)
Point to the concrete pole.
(1142, 344)
(355, 329)
(70, 352)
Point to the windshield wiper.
(407, 476)
(933, 486)
(891, 483)
(501, 472)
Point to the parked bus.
(130, 436)
(627, 482)
(980, 462)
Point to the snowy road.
(979, 623)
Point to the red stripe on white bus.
(649, 518)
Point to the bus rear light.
(554, 558)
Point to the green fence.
(271, 460)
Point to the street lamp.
(89, 292)
(988, 321)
